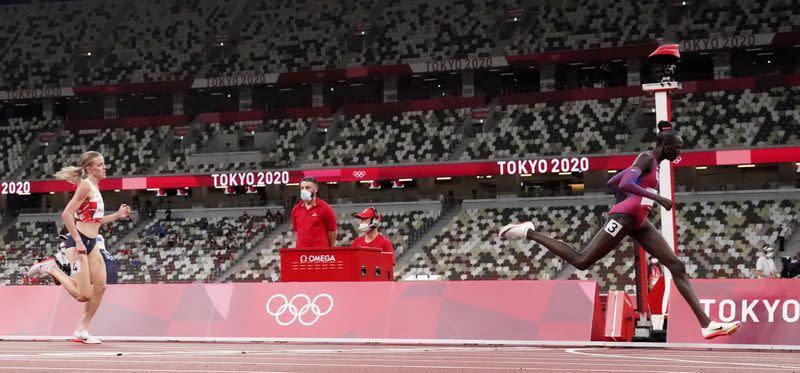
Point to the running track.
(152, 357)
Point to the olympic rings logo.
(297, 311)
(359, 174)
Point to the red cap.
(368, 213)
(667, 50)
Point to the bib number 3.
(613, 227)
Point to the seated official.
(369, 221)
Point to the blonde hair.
(73, 174)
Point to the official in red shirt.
(369, 222)
(313, 220)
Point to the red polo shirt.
(313, 224)
(380, 242)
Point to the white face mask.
(770, 255)
(306, 195)
(363, 227)
(654, 261)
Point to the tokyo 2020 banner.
(462, 310)
(768, 309)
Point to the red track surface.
(248, 357)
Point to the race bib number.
(613, 227)
(76, 267)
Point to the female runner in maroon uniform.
(638, 186)
(83, 217)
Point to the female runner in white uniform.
(83, 217)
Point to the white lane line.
(117, 353)
(787, 356)
(298, 352)
(407, 353)
(540, 364)
(83, 369)
(414, 342)
(578, 351)
(211, 347)
(537, 369)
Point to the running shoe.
(42, 268)
(516, 230)
(83, 336)
(717, 329)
